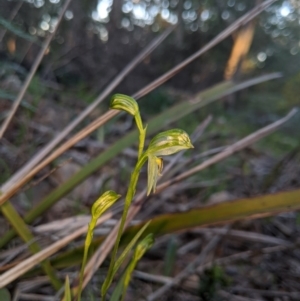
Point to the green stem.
(129, 196)
(87, 244)
(142, 134)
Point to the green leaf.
(122, 257)
(139, 252)
(117, 293)
(67, 296)
(226, 212)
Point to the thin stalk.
(142, 134)
(87, 244)
(129, 197)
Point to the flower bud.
(106, 200)
(124, 103)
(145, 244)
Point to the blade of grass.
(107, 116)
(32, 71)
(34, 260)
(25, 234)
(176, 112)
(249, 208)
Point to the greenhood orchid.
(163, 144)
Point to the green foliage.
(68, 296)
(170, 256)
(18, 31)
(122, 258)
(211, 281)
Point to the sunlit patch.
(103, 8)
(262, 56)
(285, 9)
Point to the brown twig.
(32, 71)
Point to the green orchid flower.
(128, 104)
(163, 144)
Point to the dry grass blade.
(47, 149)
(32, 261)
(32, 71)
(245, 235)
(101, 253)
(228, 151)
